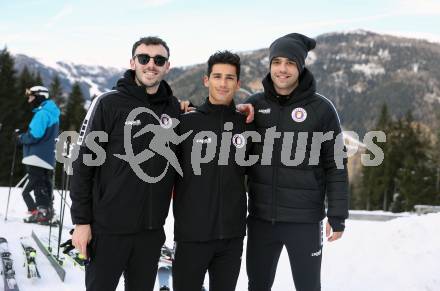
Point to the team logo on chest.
(299, 114)
(166, 121)
(238, 140)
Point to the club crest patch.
(238, 140)
(299, 114)
(166, 121)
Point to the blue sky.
(102, 32)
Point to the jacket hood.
(50, 107)
(128, 86)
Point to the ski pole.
(63, 197)
(11, 176)
(52, 197)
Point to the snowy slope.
(399, 255)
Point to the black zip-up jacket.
(111, 197)
(211, 205)
(296, 193)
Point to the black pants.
(135, 256)
(303, 242)
(221, 258)
(40, 182)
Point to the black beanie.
(293, 46)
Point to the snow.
(432, 97)
(359, 87)
(311, 58)
(369, 69)
(265, 61)
(340, 78)
(415, 67)
(397, 255)
(384, 54)
(94, 89)
(351, 140)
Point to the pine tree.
(26, 80)
(436, 155)
(416, 176)
(56, 92)
(8, 97)
(75, 111)
(377, 181)
(38, 80)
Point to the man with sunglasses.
(119, 217)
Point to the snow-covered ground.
(398, 255)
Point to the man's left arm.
(37, 129)
(334, 163)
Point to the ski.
(164, 271)
(77, 259)
(165, 268)
(56, 263)
(10, 284)
(164, 275)
(30, 261)
(73, 255)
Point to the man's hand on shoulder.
(185, 106)
(246, 109)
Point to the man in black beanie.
(286, 196)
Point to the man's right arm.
(83, 175)
(83, 179)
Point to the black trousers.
(136, 256)
(303, 242)
(40, 182)
(221, 258)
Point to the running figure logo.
(163, 135)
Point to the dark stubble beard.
(139, 82)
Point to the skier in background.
(39, 154)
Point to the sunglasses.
(144, 59)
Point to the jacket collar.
(208, 107)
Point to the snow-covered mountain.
(93, 80)
(359, 71)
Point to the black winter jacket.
(283, 192)
(211, 205)
(111, 197)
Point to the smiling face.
(150, 75)
(284, 74)
(222, 84)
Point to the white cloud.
(66, 10)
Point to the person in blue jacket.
(39, 154)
